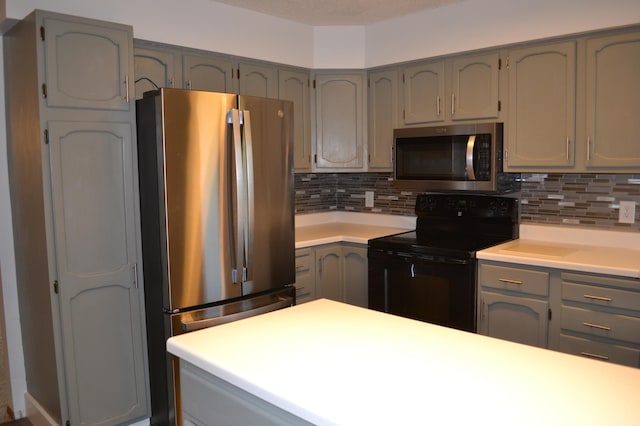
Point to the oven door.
(433, 289)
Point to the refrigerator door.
(195, 168)
(269, 214)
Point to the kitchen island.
(329, 363)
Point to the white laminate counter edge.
(581, 236)
(373, 219)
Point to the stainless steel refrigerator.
(217, 209)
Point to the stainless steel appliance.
(430, 274)
(457, 157)
(217, 208)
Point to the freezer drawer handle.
(210, 322)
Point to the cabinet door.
(203, 72)
(383, 113)
(339, 104)
(329, 273)
(355, 275)
(542, 93)
(613, 102)
(424, 93)
(87, 63)
(294, 86)
(474, 87)
(94, 213)
(258, 80)
(154, 69)
(518, 319)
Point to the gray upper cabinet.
(541, 129)
(293, 85)
(86, 64)
(475, 87)
(613, 103)
(339, 121)
(208, 72)
(74, 200)
(383, 118)
(257, 80)
(155, 68)
(424, 93)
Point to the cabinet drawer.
(602, 351)
(304, 260)
(305, 276)
(602, 324)
(601, 296)
(514, 279)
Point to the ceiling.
(337, 12)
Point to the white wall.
(207, 25)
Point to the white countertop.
(602, 252)
(335, 364)
(351, 227)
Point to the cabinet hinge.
(499, 64)
(369, 82)
(315, 158)
(55, 286)
(499, 106)
(507, 64)
(314, 83)
(549, 314)
(402, 78)
(46, 136)
(44, 90)
(238, 73)
(42, 32)
(68, 423)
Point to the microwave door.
(471, 175)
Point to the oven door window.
(434, 291)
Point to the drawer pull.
(599, 327)
(596, 356)
(299, 267)
(602, 298)
(508, 281)
(298, 287)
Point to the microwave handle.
(470, 145)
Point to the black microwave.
(457, 157)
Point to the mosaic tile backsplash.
(581, 200)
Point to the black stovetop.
(456, 225)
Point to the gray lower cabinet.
(73, 178)
(212, 401)
(513, 304)
(333, 271)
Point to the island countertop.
(345, 365)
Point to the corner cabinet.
(383, 118)
(333, 271)
(339, 121)
(73, 179)
(294, 86)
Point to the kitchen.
(360, 47)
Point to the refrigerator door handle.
(210, 322)
(238, 226)
(250, 193)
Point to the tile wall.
(588, 200)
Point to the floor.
(21, 422)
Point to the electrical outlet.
(368, 198)
(627, 213)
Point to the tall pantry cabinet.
(73, 182)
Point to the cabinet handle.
(602, 298)
(508, 281)
(189, 84)
(299, 267)
(599, 327)
(453, 104)
(126, 88)
(568, 143)
(438, 106)
(588, 148)
(596, 356)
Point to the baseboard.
(36, 414)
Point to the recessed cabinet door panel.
(92, 181)
(153, 69)
(256, 80)
(475, 87)
(424, 93)
(329, 272)
(542, 107)
(613, 102)
(383, 107)
(208, 73)
(86, 65)
(294, 87)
